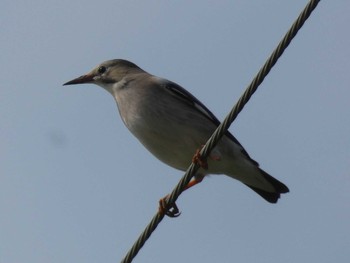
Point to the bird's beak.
(81, 80)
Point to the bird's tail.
(279, 187)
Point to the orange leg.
(172, 210)
(196, 180)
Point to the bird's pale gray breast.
(167, 126)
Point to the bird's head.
(107, 73)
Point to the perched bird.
(172, 124)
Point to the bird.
(173, 125)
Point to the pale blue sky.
(76, 186)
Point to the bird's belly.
(176, 150)
(177, 146)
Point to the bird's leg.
(172, 210)
(196, 180)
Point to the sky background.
(76, 186)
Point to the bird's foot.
(197, 159)
(171, 210)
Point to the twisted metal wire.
(223, 127)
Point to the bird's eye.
(101, 69)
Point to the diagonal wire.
(223, 127)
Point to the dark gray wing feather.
(191, 100)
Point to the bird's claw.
(171, 210)
(197, 159)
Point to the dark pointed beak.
(82, 79)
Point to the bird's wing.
(191, 100)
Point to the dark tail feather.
(268, 196)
